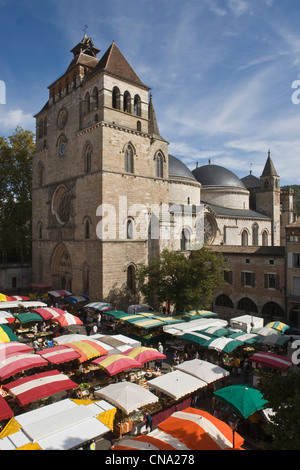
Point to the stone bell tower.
(268, 198)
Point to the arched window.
(265, 238)
(116, 98)
(247, 305)
(159, 165)
(244, 238)
(255, 234)
(87, 229)
(137, 105)
(139, 126)
(129, 167)
(131, 278)
(185, 239)
(95, 102)
(224, 301)
(271, 309)
(40, 231)
(87, 103)
(40, 174)
(129, 229)
(127, 102)
(88, 159)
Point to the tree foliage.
(15, 195)
(283, 395)
(186, 282)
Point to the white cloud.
(12, 118)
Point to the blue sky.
(221, 71)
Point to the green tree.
(283, 395)
(186, 282)
(15, 195)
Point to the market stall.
(32, 388)
(203, 370)
(64, 425)
(17, 363)
(59, 354)
(186, 430)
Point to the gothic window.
(127, 102)
(159, 165)
(87, 229)
(95, 103)
(244, 238)
(131, 278)
(87, 157)
(137, 105)
(255, 234)
(185, 239)
(116, 98)
(265, 238)
(247, 305)
(129, 167)
(139, 126)
(129, 229)
(87, 103)
(224, 301)
(40, 174)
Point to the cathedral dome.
(215, 175)
(178, 169)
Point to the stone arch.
(61, 268)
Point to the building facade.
(107, 196)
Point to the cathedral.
(107, 195)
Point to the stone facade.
(107, 196)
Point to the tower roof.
(153, 126)
(114, 63)
(269, 169)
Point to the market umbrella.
(29, 389)
(75, 299)
(27, 317)
(244, 400)
(275, 340)
(186, 430)
(16, 363)
(264, 331)
(202, 370)
(48, 313)
(143, 354)
(5, 410)
(68, 319)
(6, 334)
(87, 349)
(59, 293)
(4, 298)
(277, 325)
(224, 345)
(126, 396)
(216, 331)
(19, 297)
(177, 384)
(12, 348)
(59, 354)
(196, 338)
(271, 360)
(247, 338)
(99, 305)
(116, 363)
(6, 317)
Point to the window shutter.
(265, 281)
(242, 279)
(277, 279)
(290, 260)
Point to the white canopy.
(60, 426)
(203, 370)
(127, 396)
(21, 304)
(200, 324)
(177, 384)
